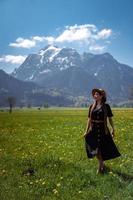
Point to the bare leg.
(101, 162)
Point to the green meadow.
(42, 157)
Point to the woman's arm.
(87, 126)
(112, 125)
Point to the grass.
(42, 157)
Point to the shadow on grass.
(56, 167)
(125, 177)
(122, 175)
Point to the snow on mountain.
(50, 58)
(31, 77)
(45, 71)
(53, 67)
(50, 52)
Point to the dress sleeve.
(89, 111)
(109, 111)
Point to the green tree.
(46, 105)
(11, 101)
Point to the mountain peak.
(49, 52)
(48, 48)
(107, 55)
(68, 52)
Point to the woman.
(98, 139)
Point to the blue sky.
(95, 26)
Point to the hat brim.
(100, 91)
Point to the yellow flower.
(3, 171)
(55, 191)
(43, 183)
(58, 184)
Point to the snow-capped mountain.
(49, 60)
(74, 74)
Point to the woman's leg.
(101, 162)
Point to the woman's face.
(97, 96)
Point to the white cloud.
(49, 39)
(38, 38)
(24, 43)
(32, 42)
(104, 34)
(86, 35)
(90, 26)
(73, 35)
(13, 59)
(77, 33)
(97, 48)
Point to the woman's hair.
(101, 92)
(103, 100)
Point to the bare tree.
(11, 101)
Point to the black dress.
(97, 139)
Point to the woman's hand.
(113, 133)
(112, 125)
(85, 133)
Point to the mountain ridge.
(26, 93)
(50, 66)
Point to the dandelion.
(58, 184)
(111, 173)
(43, 183)
(3, 171)
(55, 191)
